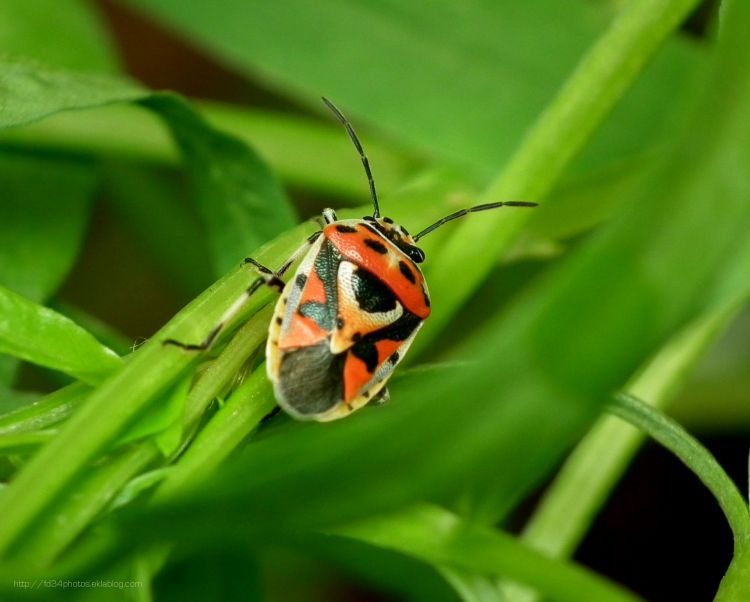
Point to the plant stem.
(116, 404)
(224, 432)
(560, 133)
(735, 586)
(52, 534)
(587, 477)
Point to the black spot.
(279, 321)
(345, 229)
(376, 246)
(426, 297)
(405, 231)
(339, 323)
(398, 331)
(300, 280)
(387, 220)
(372, 295)
(357, 336)
(318, 313)
(394, 358)
(366, 351)
(365, 394)
(407, 272)
(369, 218)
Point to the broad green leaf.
(42, 221)
(470, 78)
(67, 34)
(167, 227)
(308, 153)
(42, 225)
(31, 91)
(240, 201)
(41, 336)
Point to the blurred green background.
(640, 243)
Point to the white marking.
(362, 322)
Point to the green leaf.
(105, 333)
(696, 457)
(581, 106)
(286, 141)
(150, 205)
(470, 79)
(67, 34)
(42, 221)
(11, 401)
(441, 538)
(41, 336)
(241, 203)
(164, 418)
(30, 91)
(49, 410)
(734, 586)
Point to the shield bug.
(350, 311)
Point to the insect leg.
(267, 278)
(302, 250)
(382, 397)
(270, 280)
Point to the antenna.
(463, 212)
(365, 162)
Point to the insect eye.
(415, 254)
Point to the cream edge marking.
(286, 305)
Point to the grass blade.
(44, 337)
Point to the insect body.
(348, 315)
(346, 319)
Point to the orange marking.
(302, 332)
(314, 290)
(385, 348)
(351, 247)
(356, 376)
